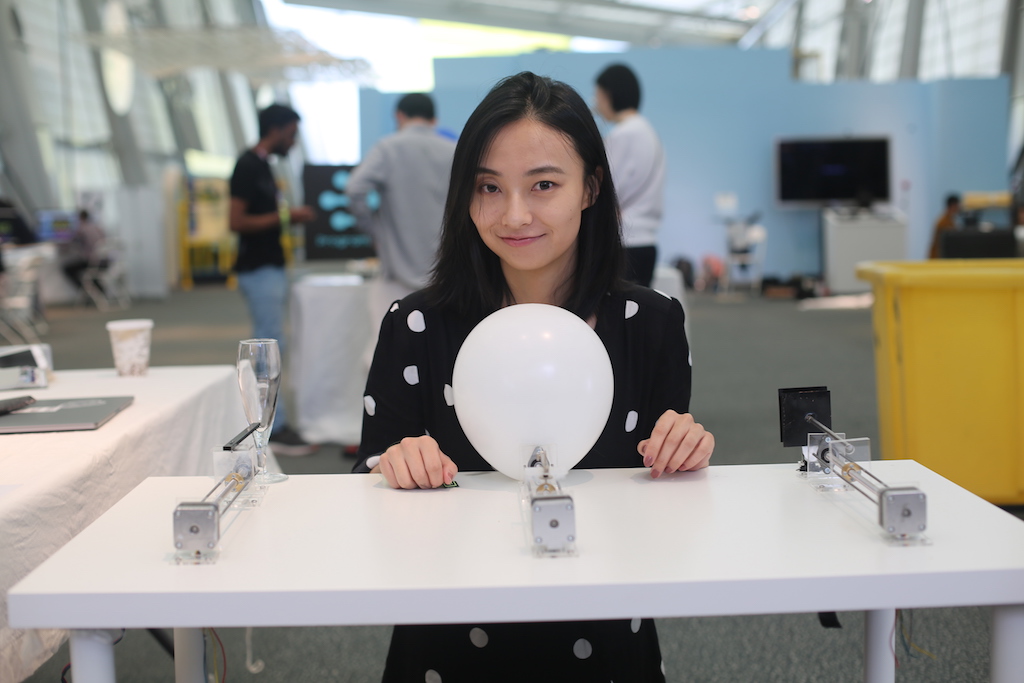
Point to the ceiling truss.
(651, 24)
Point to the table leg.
(189, 656)
(1007, 643)
(92, 655)
(879, 641)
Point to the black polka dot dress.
(408, 393)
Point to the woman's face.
(527, 205)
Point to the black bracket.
(794, 406)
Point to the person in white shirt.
(397, 194)
(637, 162)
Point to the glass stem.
(260, 437)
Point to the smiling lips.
(520, 241)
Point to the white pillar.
(1007, 643)
(879, 646)
(92, 655)
(189, 656)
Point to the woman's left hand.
(677, 444)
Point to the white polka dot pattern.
(663, 667)
(582, 648)
(416, 322)
(411, 375)
(634, 625)
(663, 293)
(449, 395)
(631, 308)
(394, 307)
(689, 358)
(370, 405)
(631, 419)
(431, 677)
(478, 637)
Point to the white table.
(54, 485)
(54, 286)
(328, 358)
(849, 239)
(728, 540)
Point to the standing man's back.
(409, 171)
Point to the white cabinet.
(850, 238)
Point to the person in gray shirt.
(397, 195)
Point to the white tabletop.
(53, 485)
(727, 540)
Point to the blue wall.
(719, 112)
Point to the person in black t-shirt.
(255, 216)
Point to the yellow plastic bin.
(949, 357)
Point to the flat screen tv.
(56, 225)
(851, 171)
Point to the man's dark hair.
(468, 277)
(276, 116)
(622, 86)
(952, 199)
(417, 106)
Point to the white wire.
(253, 667)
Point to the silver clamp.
(552, 511)
(197, 524)
(902, 510)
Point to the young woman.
(531, 217)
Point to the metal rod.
(231, 482)
(809, 417)
(215, 487)
(842, 456)
(854, 478)
(539, 454)
(852, 472)
(544, 462)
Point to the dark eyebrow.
(533, 171)
(545, 169)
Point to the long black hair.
(468, 276)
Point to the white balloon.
(532, 375)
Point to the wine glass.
(259, 378)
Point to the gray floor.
(744, 350)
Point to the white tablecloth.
(54, 485)
(330, 335)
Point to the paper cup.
(130, 340)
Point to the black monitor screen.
(849, 171)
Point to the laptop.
(64, 414)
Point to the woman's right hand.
(416, 462)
